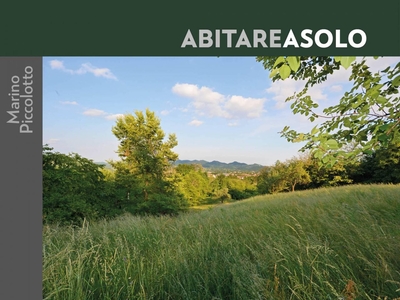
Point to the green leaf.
(384, 127)
(381, 100)
(325, 159)
(279, 60)
(299, 138)
(273, 73)
(346, 61)
(396, 81)
(347, 122)
(332, 144)
(383, 137)
(294, 62)
(314, 131)
(318, 154)
(284, 71)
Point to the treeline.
(306, 172)
(146, 181)
(76, 188)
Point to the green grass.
(334, 243)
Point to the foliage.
(321, 176)
(367, 115)
(282, 176)
(147, 160)
(241, 188)
(73, 188)
(270, 181)
(221, 194)
(193, 183)
(143, 149)
(382, 166)
(295, 173)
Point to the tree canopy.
(368, 115)
(73, 188)
(142, 146)
(147, 161)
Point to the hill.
(330, 243)
(220, 166)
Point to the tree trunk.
(293, 185)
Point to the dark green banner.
(131, 28)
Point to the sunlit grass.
(336, 243)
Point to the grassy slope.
(336, 243)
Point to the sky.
(220, 108)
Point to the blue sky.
(224, 108)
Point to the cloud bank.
(209, 103)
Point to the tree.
(296, 173)
(143, 149)
(283, 176)
(193, 183)
(321, 176)
(368, 115)
(148, 158)
(382, 166)
(241, 186)
(73, 189)
(271, 179)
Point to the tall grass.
(334, 243)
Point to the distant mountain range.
(220, 166)
(211, 166)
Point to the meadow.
(328, 243)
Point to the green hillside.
(332, 243)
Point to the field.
(333, 243)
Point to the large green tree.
(367, 115)
(147, 158)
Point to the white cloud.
(209, 103)
(233, 124)
(164, 112)
(205, 100)
(245, 107)
(113, 116)
(94, 112)
(69, 102)
(57, 64)
(98, 72)
(283, 89)
(85, 68)
(195, 123)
